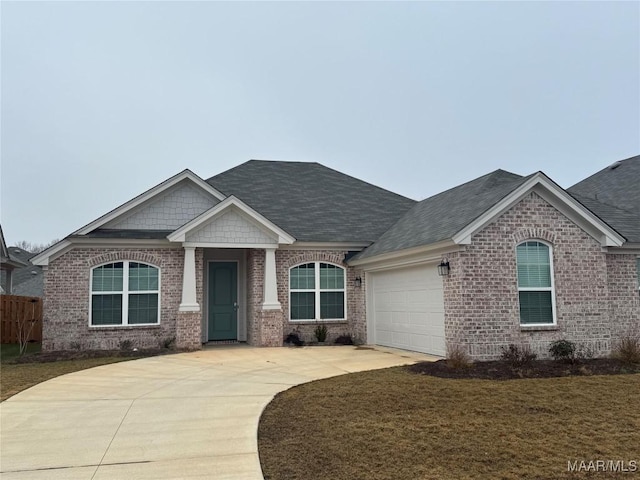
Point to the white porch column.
(189, 302)
(270, 281)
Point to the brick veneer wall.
(66, 303)
(355, 325)
(624, 296)
(481, 294)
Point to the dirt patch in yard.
(502, 370)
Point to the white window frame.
(317, 290)
(125, 295)
(551, 289)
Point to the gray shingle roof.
(624, 222)
(613, 194)
(313, 202)
(442, 216)
(617, 185)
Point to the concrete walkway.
(192, 415)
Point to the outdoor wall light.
(358, 282)
(443, 268)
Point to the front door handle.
(236, 306)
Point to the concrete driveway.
(191, 415)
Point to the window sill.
(315, 322)
(124, 327)
(538, 328)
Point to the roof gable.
(231, 223)
(312, 202)
(456, 215)
(132, 206)
(168, 210)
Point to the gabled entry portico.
(238, 251)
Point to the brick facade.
(66, 303)
(594, 291)
(354, 325)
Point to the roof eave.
(413, 255)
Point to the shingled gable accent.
(148, 195)
(252, 218)
(186, 175)
(547, 189)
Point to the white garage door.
(408, 309)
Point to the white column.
(189, 302)
(270, 281)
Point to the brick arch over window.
(132, 255)
(336, 258)
(533, 233)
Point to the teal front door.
(223, 301)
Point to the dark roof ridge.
(478, 180)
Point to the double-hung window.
(125, 293)
(317, 292)
(535, 283)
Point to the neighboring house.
(10, 263)
(28, 281)
(268, 248)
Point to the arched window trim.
(317, 291)
(551, 288)
(125, 292)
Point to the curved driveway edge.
(190, 415)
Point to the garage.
(407, 309)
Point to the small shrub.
(321, 333)
(563, 350)
(627, 349)
(169, 343)
(125, 345)
(75, 346)
(294, 338)
(344, 340)
(457, 357)
(518, 355)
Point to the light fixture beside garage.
(358, 281)
(443, 268)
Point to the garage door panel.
(408, 309)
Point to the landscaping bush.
(344, 340)
(563, 350)
(457, 357)
(321, 333)
(627, 348)
(518, 355)
(294, 339)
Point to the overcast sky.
(101, 101)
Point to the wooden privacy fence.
(19, 314)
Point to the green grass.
(11, 351)
(392, 424)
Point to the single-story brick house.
(268, 248)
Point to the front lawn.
(394, 424)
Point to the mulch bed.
(56, 356)
(502, 370)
